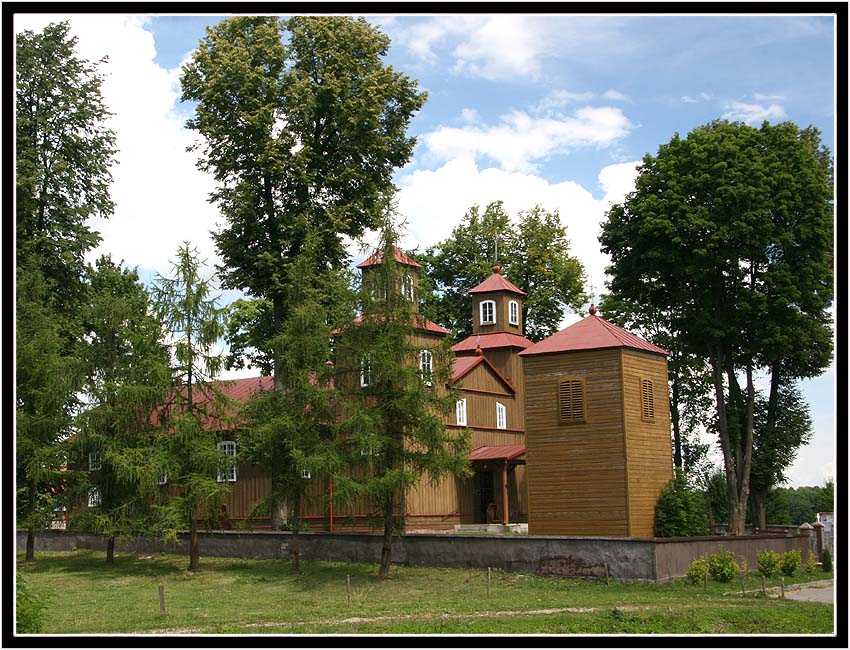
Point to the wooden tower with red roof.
(597, 431)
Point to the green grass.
(261, 596)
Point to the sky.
(555, 110)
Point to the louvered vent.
(647, 400)
(571, 400)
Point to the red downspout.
(505, 492)
(331, 505)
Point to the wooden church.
(571, 434)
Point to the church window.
(488, 312)
(501, 416)
(571, 400)
(647, 401)
(513, 312)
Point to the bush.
(722, 566)
(790, 562)
(826, 563)
(30, 608)
(680, 512)
(768, 562)
(811, 562)
(696, 571)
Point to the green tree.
(290, 433)
(393, 412)
(128, 376)
(681, 510)
(303, 125)
(533, 253)
(63, 152)
(774, 452)
(719, 225)
(197, 408)
(46, 383)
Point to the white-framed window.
(501, 416)
(94, 497)
(460, 411)
(426, 366)
(163, 478)
(94, 461)
(487, 310)
(227, 473)
(369, 451)
(365, 372)
(407, 287)
(513, 312)
(305, 473)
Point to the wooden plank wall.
(650, 462)
(576, 472)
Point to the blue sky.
(553, 109)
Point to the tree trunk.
(295, 549)
(110, 549)
(387, 548)
(758, 501)
(30, 543)
(193, 544)
(280, 513)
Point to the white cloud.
(753, 113)
(469, 115)
(615, 95)
(559, 99)
(159, 194)
(519, 139)
(759, 97)
(695, 99)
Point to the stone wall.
(620, 558)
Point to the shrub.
(811, 562)
(696, 571)
(790, 562)
(826, 563)
(722, 566)
(30, 608)
(768, 562)
(680, 511)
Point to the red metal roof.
(498, 452)
(497, 282)
(492, 340)
(591, 333)
(377, 256)
(419, 322)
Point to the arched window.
(227, 471)
(426, 366)
(407, 287)
(488, 312)
(513, 312)
(460, 412)
(501, 416)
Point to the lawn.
(230, 595)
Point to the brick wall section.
(626, 558)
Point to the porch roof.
(497, 452)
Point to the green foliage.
(790, 562)
(533, 253)
(717, 497)
(719, 226)
(394, 425)
(826, 562)
(811, 562)
(680, 511)
(30, 608)
(768, 562)
(799, 505)
(722, 566)
(697, 570)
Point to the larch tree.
(302, 125)
(392, 427)
(730, 231)
(127, 379)
(533, 253)
(291, 433)
(197, 409)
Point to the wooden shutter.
(647, 400)
(571, 400)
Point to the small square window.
(305, 473)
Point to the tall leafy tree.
(533, 253)
(302, 126)
(128, 376)
(719, 225)
(197, 409)
(46, 383)
(774, 451)
(63, 152)
(393, 413)
(290, 433)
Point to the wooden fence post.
(161, 598)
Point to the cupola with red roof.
(408, 283)
(497, 305)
